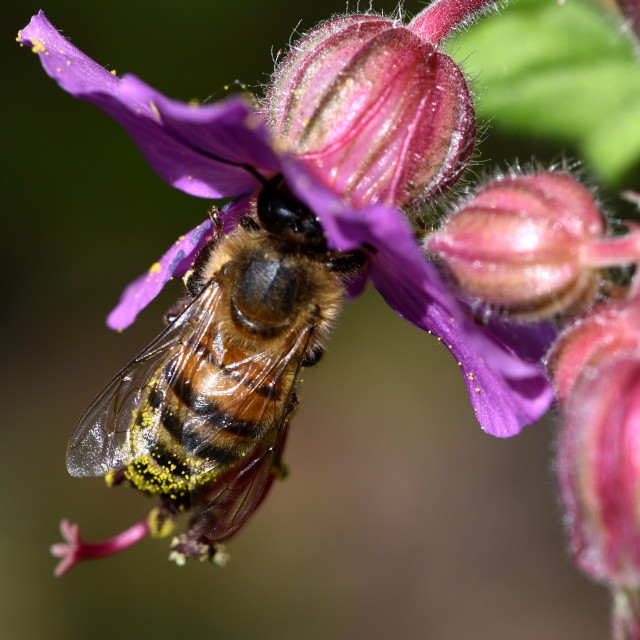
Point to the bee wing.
(222, 506)
(226, 505)
(101, 441)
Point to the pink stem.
(612, 251)
(75, 550)
(438, 19)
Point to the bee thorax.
(265, 293)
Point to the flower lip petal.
(173, 264)
(228, 130)
(506, 391)
(143, 290)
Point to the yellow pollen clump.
(156, 267)
(113, 72)
(159, 526)
(477, 389)
(109, 478)
(38, 46)
(186, 276)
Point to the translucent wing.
(101, 441)
(223, 506)
(196, 398)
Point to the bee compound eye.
(282, 214)
(265, 293)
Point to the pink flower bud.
(374, 110)
(518, 245)
(607, 332)
(599, 472)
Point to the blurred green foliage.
(563, 71)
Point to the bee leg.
(279, 470)
(174, 311)
(115, 478)
(312, 358)
(214, 216)
(347, 262)
(194, 545)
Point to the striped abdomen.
(210, 408)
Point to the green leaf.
(561, 71)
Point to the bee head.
(282, 214)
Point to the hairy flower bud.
(374, 110)
(519, 245)
(599, 472)
(607, 332)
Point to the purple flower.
(221, 150)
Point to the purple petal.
(181, 142)
(173, 264)
(507, 392)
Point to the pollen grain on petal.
(38, 46)
(154, 109)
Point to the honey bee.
(199, 418)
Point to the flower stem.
(610, 252)
(626, 614)
(441, 17)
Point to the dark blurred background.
(400, 519)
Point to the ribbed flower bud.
(374, 110)
(599, 472)
(520, 245)
(609, 331)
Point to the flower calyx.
(374, 110)
(532, 246)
